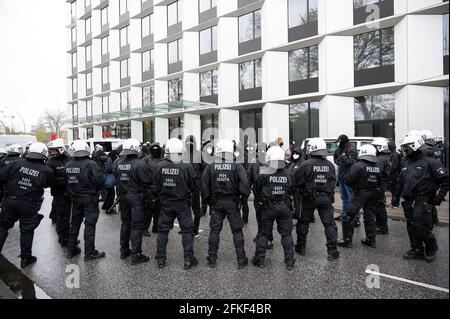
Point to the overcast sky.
(32, 57)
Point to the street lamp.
(3, 110)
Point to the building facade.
(154, 69)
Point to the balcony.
(250, 46)
(149, 75)
(244, 3)
(304, 86)
(207, 15)
(378, 75)
(254, 94)
(146, 5)
(303, 31)
(175, 67)
(208, 58)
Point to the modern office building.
(289, 68)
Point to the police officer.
(175, 182)
(384, 162)
(152, 205)
(84, 179)
(396, 167)
(61, 199)
(13, 154)
(207, 158)
(424, 184)
(3, 153)
(433, 149)
(223, 184)
(316, 181)
(25, 181)
(365, 178)
(274, 188)
(296, 160)
(133, 178)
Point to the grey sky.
(32, 59)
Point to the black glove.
(438, 199)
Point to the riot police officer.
(384, 162)
(152, 205)
(296, 160)
(84, 179)
(61, 199)
(396, 167)
(365, 179)
(224, 182)
(25, 181)
(424, 184)
(316, 182)
(133, 178)
(433, 149)
(175, 182)
(274, 188)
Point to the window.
(176, 51)
(88, 25)
(148, 133)
(89, 109)
(124, 37)
(87, 3)
(124, 101)
(209, 121)
(174, 13)
(250, 74)
(364, 3)
(146, 24)
(89, 81)
(75, 112)
(89, 54)
(304, 64)
(104, 16)
(147, 61)
(105, 44)
(250, 26)
(208, 83)
(74, 34)
(74, 60)
(105, 105)
(123, 7)
(302, 12)
(148, 95)
(175, 90)
(206, 5)
(374, 49)
(375, 116)
(303, 121)
(208, 40)
(124, 69)
(75, 86)
(446, 34)
(105, 75)
(73, 10)
(250, 119)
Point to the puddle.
(22, 286)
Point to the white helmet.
(3, 151)
(439, 139)
(98, 147)
(427, 135)
(317, 147)
(130, 147)
(80, 149)
(413, 143)
(368, 153)
(174, 146)
(57, 145)
(224, 146)
(413, 132)
(37, 151)
(382, 145)
(275, 153)
(15, 149)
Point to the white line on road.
(421, 284)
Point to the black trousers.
(132, 216)
(84, 208)
(381, 216)
(245, 208)
(419, 224)
(226, 208)
(62, 202)
(367, 200)
(26, 213)
(196, 210)
(53, 215)
(326, 213)
(258, 211)
(182, 212)
(152, 211)
(395, 188)
(109, 200)
(280, 213)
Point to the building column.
(137, 130)
(193, 126)
(161, 130)
(82, 131)
(275, 123)
(69, 136)
(229, 124)
(98, 131)
(419, 108)
(337, 116)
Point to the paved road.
(313, 277)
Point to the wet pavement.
(54, 276)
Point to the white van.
(8, 140)
(109, 144)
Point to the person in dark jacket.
(14, 153)
(110, 183)
(298, 157)
(152, 204)
(396, 167)
(207, 158)
(100, 157)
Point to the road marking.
(421, 284)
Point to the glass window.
(363, 3)
(89, 81)
(73, 9)
(148, 95)
(209, 121)
(123, 7)
(124, 101)
(124, 36)
(105, 75)
(175, 90)
(374, 49)
(74, 34)
(304, 121)
(302, 12)
(250, 74)
(105, 105)
(175, 51)
(446, 26)
(380, 107)
(148, 133)
(74, 110)
(104, 16)
(208, 40)
(87, 3)
(75, 86)
(88, 25)
(174, 13)
(74, 60)
(146, 26)
(124, 69)
(105, 42)
(208, 83)
(89, 53)
(251, 119)
(206, 5)
(147, 61)
(304, 63)
(250, 26)
(89, 110)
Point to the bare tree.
(54, 120)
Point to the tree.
(41, 132)
(54, 120)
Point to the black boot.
(27, 261)
(191, 264)
(430, 256)
(161, 263)
(346, 243)
(414, 254)
(212, 262)
(290, 265)
(242, 262)
(300, 249)
(258, 262)
(94, 255)
(369, 242)
(333, 255)
(125, 254)
(139, 259)
(270, 245)
(74, 252)
(147, 233)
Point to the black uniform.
(61, 198)
(223, 183)
(274, 189)
(175, 182)
(244, 198)
(25, 181)
(365, 179)
(3, 162)
(133, 179)
(293, 167)
(84, 179)
(381, 217)
(424, 185)
(434, 150)
(395, 169)
(315, 179)
(152, 204)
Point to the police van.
(108, 144)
